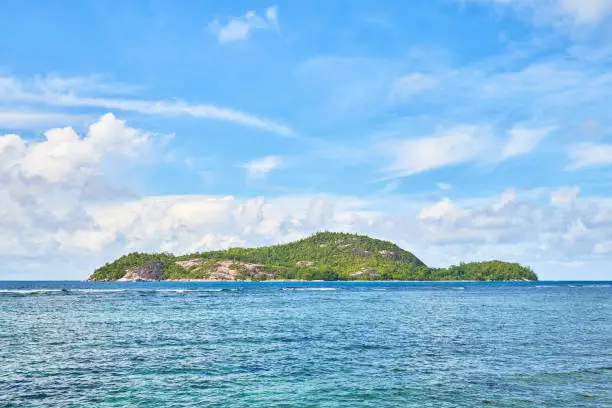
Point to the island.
(326, 256)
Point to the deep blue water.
(545, 344)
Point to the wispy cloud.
(458, 145)
(239, 28)
(260, 168)
(412, 84)
(84, 85)
(577, 11)
(14, 90)
(584, 155)
(523, 140)
(39, 120)
(586, 11)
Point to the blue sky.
(461, 129)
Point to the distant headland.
(327, 256)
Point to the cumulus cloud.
(575, 231)
(603, 248)
(46, 184)
(63, 153)
(50, 228)
(441, 232)
(565, 196)
(442, 210)
(507, 197)
(239, 28)
(260, 168)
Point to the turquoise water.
(305, 344)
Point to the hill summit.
(322, 256)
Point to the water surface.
(452, 344)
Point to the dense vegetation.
(323, 256)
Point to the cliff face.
(151, 271)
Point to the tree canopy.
(323, 256)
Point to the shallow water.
(458, 344)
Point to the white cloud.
(239, 28)
(46, 184)
(575, 231)
(507, 197)
(578, 11)
(455, 146)
(13, 90)
(565, 196)
(442, 210)
(389, 187)
(63, 153)
(412, 84)
(584, 155)
(259, 168)
(603, 248)
(586, 11)
(523, 141)
(444, 186)
(86, 84)
(38, 120)
(50, 227)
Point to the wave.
(196, 290)
(93, 290)
(29, 291)
(309, 289)
(85, 290)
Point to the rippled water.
(226, 345)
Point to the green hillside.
(323, 256)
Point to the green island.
(327, 256)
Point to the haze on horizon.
(461, 130)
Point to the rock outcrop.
(233, 270)
(151, 271)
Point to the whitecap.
(96, 290)
(309, 289)
(29, 291)
(196, 290)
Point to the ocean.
(297, 344)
